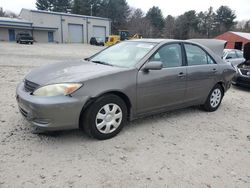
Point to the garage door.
(99, 31)
(75, 33)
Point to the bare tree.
(247, 26)
(168, 31)
(2, 13)
(10, 14)
(7, 13)
(137, 23)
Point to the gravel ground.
(184, 148)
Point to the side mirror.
(153, 65)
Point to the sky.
(173, 7)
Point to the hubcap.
(215, 98)
(109, 118)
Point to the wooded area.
(190, 24)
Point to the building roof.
(20, 23)
(241, 34)
(67, 14)
(14, 20)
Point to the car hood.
(73, 71)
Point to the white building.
(47, 26)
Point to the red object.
(235, 40)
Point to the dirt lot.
(184, 148)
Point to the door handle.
(181, 75)
(214, 70)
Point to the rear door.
(231, 57)
(202, 72)
(162, 89)
(240, 56)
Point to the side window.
(210, 60)
(239, 54)
(169, 55)
(231, 55)
(197, 56)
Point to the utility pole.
(91, 11)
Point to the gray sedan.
(233, 56)
(127, 81)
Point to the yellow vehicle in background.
(123, 35)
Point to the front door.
(12, 36)
(162, 89)
(50, 36)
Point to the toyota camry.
(129, 80)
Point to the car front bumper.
(50, 113)
(24, 40)
(241, 80)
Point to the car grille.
(30, 86)
(244, 71)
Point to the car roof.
(154, 40)
(214, 45)
(229, 50)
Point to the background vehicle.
(123, 35)
(129, 80)
(235, 57)
(242, 77)
(98, 41)
(24, 38)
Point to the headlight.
(57, 89)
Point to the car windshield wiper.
(102, 62)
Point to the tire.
(112, 113)
(31, 42)
(214, 99)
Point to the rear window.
(239, 54)
(25, 34)
(197, 56)
(231, 55)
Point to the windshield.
(25, 34)
(124, 54)
(98, 39)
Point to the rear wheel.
(214, 99)
(105, 117)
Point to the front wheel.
(214, 99)
(105, 117)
